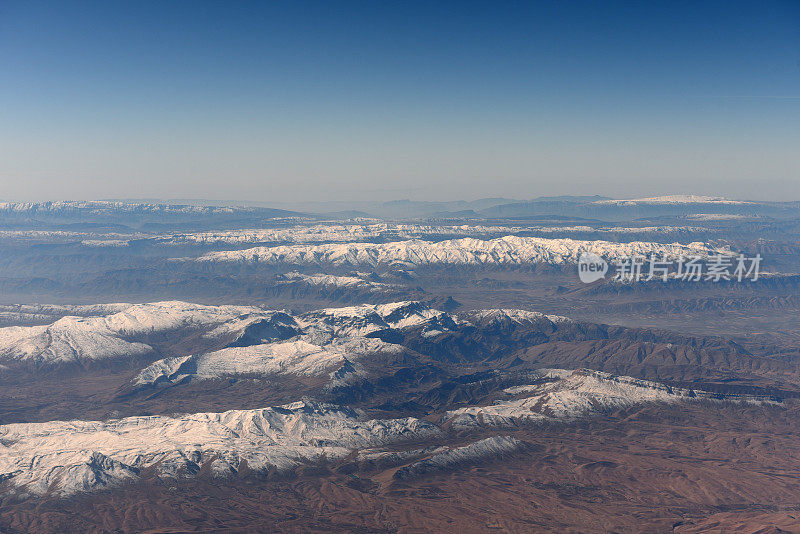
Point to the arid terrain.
(187, 370)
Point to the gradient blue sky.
(384, 100)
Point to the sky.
(290, 101)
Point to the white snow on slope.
(329, 233)
(68, 339)
(42, 314)
(486, 449)
(100, 337)
(172, 315)
(673, 199)
(354, 233)
(295, 357)
(329, 280)
(329, 338)
(509, 250)
(130, 329)
(651, 230)
(327, 324)
(571, 395)
(297, 234)
(67, 457)
(515, 315)
(111, 243)
(332, 233)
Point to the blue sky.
(383, 100)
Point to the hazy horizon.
(371, 101)
(286, 204)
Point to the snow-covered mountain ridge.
(351, 233)
(66, 457)
(124, 332)
(509, 250)
(567, 395)
(325, 341)
(329, 280)
(673, 199)
(62, 458)
(294, 357)
(120, 330)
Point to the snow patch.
(67, 457)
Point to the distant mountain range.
(674, 206)
(508, 250)
(131, 214)
(158, 214)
